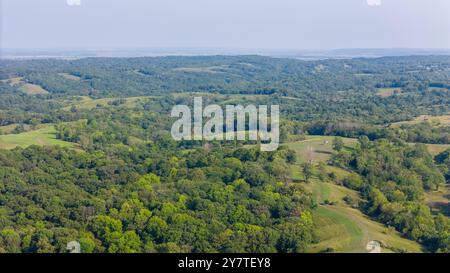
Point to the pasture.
(43, 136)
(317, 148)
(32, 89)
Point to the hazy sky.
(241, 24)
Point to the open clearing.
(439, 201)
(13, 81)
(435, 149)
(216, 68)
(87, 103)
(44, 136)
(225, 98)
(68, 76)
(436, 121)
(33, 89)
(209, 69)
(387, 92)
(9, 129)
(27, 88)
(317, 148)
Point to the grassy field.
(27, 88)
(336, 232)
(341, 228)
(213, 69)
(317, 148)
(8, 129)
(437, 121)
(68, 76)
(32, 89)
(228, 98)
(87, 103)
(43, 136)
(435, 149)
(439, 201)
(13, 81)
(209, 69)
(387, 92)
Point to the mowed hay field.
(339, 227)
(43, 136)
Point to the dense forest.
(86, 152)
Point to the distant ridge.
(153, 52)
